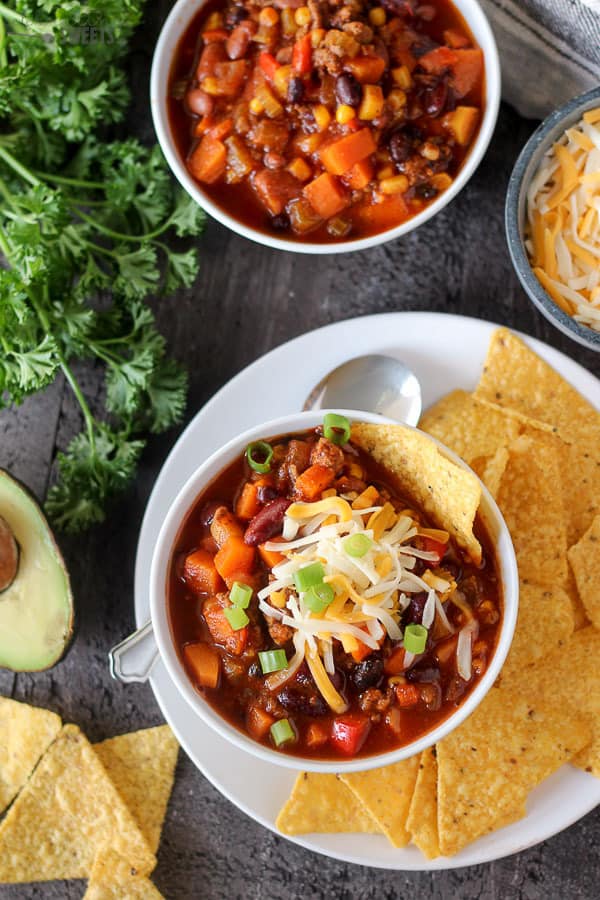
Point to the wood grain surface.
(247, 300)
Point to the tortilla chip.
(517, 379)
(545, 622)
(569, 679)
(25, 735)
(68, 810)
(422, 815)
(321, 803)
(580, 618)
(112, 878)
(386, 794)
(490, 763)
(580, 472)
(530, 498)
(493, 469)
(584, 558)
(141, 765)
(468, 427)
(444, 490)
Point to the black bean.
(434, 98)
(348, 90)
(423, 673)
(423, 46)
(426, 191)
(280, 222)
(413, 614)
(295, 91)
(297, 701)
(235, 15)
(367, 673)
(254, 670)
(266, 493)
(400, 147)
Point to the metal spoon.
(379, 384)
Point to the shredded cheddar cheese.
(563, 221)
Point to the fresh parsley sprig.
(82, 233)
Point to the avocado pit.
(9, 556)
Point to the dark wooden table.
(249, 299)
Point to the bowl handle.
(133, 659)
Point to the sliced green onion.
(309, 576)
(319, 597)
(357, 545)
(236, 617)
(272, 661)
(259, 456)
(415, 638)
(336, 428)
(240, 594)
(281, 732)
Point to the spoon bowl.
(375, 383)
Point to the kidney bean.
(423, 674)
(434, 99)
(367, 673)
(413, 614)
(267, 522)
(297, 701)
(295, 91)
(199, 102)
(266, 493)
(348, 90)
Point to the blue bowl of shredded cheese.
(552, 218)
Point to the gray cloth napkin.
(549, 50)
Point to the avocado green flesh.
(36, 611)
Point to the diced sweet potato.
(316, 479)
(379, 216)
(205, 663)
(248, 504)
(326, 195)
(455, 39)
(275, 189)
(366, 69)
(466, 71)
(303, 218)
(239, 160)
(436, 61)
(220, 630)
(200, 573)
(339, 157)
(224, 525)
(234, 556)
(258, 722)
(207, 161)
(462, 122)
(271, 558)
(360, 174)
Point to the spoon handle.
(133, 659)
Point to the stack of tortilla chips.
(81, 810)
(535, 442)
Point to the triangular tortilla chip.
(386, 794)
(68, 810)
(517, 379)
(141, 765)
(321, 803)
(112, 878)
(490, 763)
(584, 558)
(545, 622)
(25, 735)
(531, 501)
(444, 490)
(423, 813)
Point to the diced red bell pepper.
(349, 732)
(432, 546)
(268, 64)
(302, 55)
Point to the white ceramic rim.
(179, 509)
(175, 25)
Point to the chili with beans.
(315, 609)
(327, 121)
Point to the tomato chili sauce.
(330, 121)
(273, 641)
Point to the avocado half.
(36, 603)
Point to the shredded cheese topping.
(563, 221)
(370, 592)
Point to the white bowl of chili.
(336, 185)
(188, 611)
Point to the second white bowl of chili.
(232, 623)
(324, 129)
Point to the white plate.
(445, 352)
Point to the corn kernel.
(402, 77)
(278, 599)
(396, 99)
(316, 36)
(212, 86)
(215, 20)
(344, 114)
(372, 103)
(256, 106)
(268, 16)
(322, 116)
(385, 172)
(302, 16)
(356, 471)
(281, 79)
(300, 169)
(377, 16)
(395, 185)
